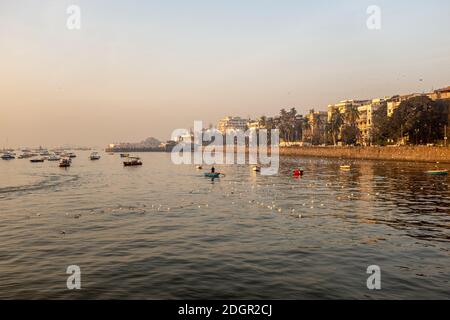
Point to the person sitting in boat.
(213, 170)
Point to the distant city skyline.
(139, 69)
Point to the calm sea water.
(165, 231)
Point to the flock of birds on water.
(263, 197)
(266, 197)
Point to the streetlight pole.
(445, 136)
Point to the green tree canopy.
(419, 118)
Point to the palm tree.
(302, 127)
(292, 114)
(337, 120)
(263, 121)
(352, 115)
(284, 124)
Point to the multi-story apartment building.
(232, 123)
(394, 102)
(440, 94)
(344, 105)
(255, 124)
(365, 121)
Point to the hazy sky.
(143, 68)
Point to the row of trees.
(418, 120)
(313, 128)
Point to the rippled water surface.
(164, 231)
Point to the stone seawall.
(404, 153)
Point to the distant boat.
(53, 157)
(437, 172)
(94, 156)
(44, 153)
(8, 156)
(25, 155)
(345, 167)
(256, 168)
(212, 175)
(65, 162)
(37, 160)
(199, 167)
(71, 155)
(124, 155)
(132, 161)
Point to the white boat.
(8, 156)
(25, 155)
(94, 156)
(44, 153)
(53, 157)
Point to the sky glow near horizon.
(144, 68)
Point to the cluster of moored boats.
(38, 156)
(64, 157)
(65, 160)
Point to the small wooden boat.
(124, 155)
(132, 161)
(199, 167)
(345, 167)
(437, 172)
(8, 156)
(54, 157)
(212, 175)
(65, 163)
(94, 156)
(37, 160)
(25, 156)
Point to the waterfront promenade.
(401, 153)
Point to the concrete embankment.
(403, 153)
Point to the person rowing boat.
(213, 174)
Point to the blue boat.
(212, 175)
(438, 172)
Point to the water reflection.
(243, 235)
